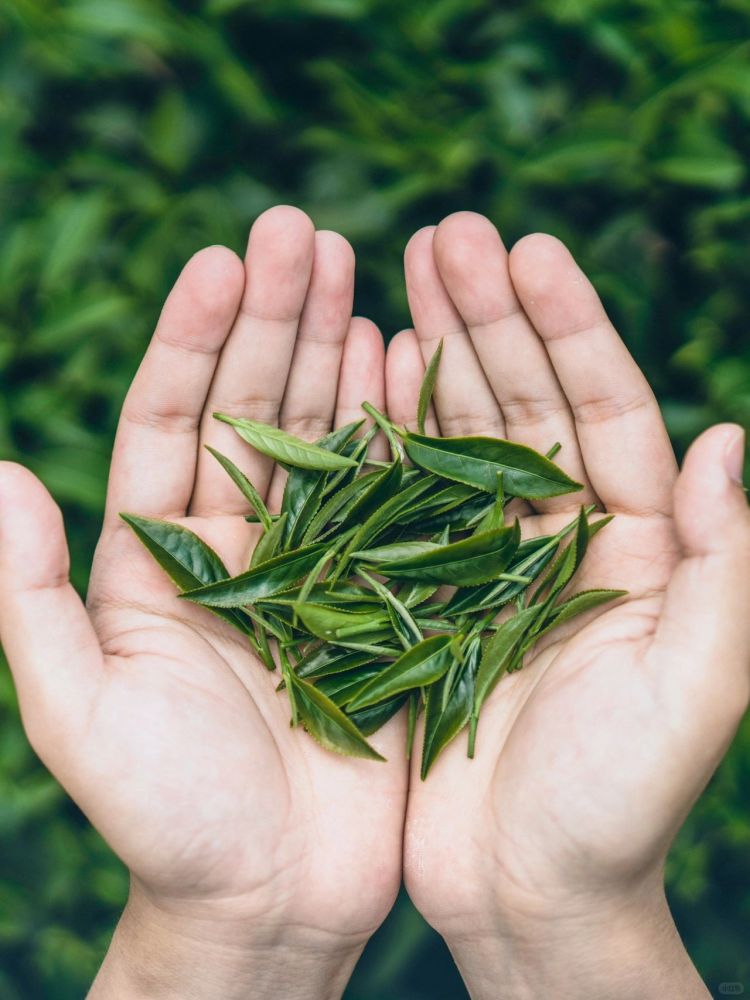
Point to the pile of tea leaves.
(380, 585)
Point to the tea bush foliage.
(133, 132)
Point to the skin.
(260, 863)
(541, 862)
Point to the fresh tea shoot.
(385, 585)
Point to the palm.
(221, 783)
(569, 788)
(185, 760)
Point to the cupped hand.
(258, 859)
(548, 848)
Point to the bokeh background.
(133, 132)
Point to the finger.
(310, 398)
(624, 443)
(252, 373)
(464, 402)
(155, 451)
(473, 264)
(362, 378)
(404, 371)
(51, 646)
(701, 650)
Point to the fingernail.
(734, 455)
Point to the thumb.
(704, 629)
(47, 636)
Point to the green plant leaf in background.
(134, 134)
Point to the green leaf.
(246, 487)
(386, 485)
(495, 516)
(284, 447)
(357, 451)
(388, 429)
(335, 507)
(326, 723)
(474, 560)
(428, 387)
(302, 497)
(403, 624)
(419, 666)
(186, 558)
(180, 552)
(303, 490)
(497, 655)
(327, 660)
(584, 600)
(447, 710)
(340, 593)
(532, 556)
(369, 720)
(476, 461)
(566, 563)
(331, 623)
(414, 593)
(437, 505)
(381, 519)
(342, 686)
(394, 551)
(262, 580)
(269, 543)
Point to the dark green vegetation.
(132, 132)
(354, 649)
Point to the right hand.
(258, 860)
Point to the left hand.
(541, 860)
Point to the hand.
(260, 863)
(541, 860)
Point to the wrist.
(626, 948)
(197, 953)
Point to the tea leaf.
(419, 666)
(532, 556)
(385, 486)
(369, 720)
(471, 561)
(262, 580)
(495, 516)
(327, 660)
(186, 559)
(403, 623)
(428, 387)
(397, 450)
(447, 711)
(331, 623)
(394, 551)
(284, 447)
(246, 487)
(269, 543)
(303, 490)
(476, 461)
(180, 552)
(335, 507)
(326, 723)
(415, 593)
(341, 687)
(566, 563)
(497, 654)
(585, 600)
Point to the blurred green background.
(133, 132)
